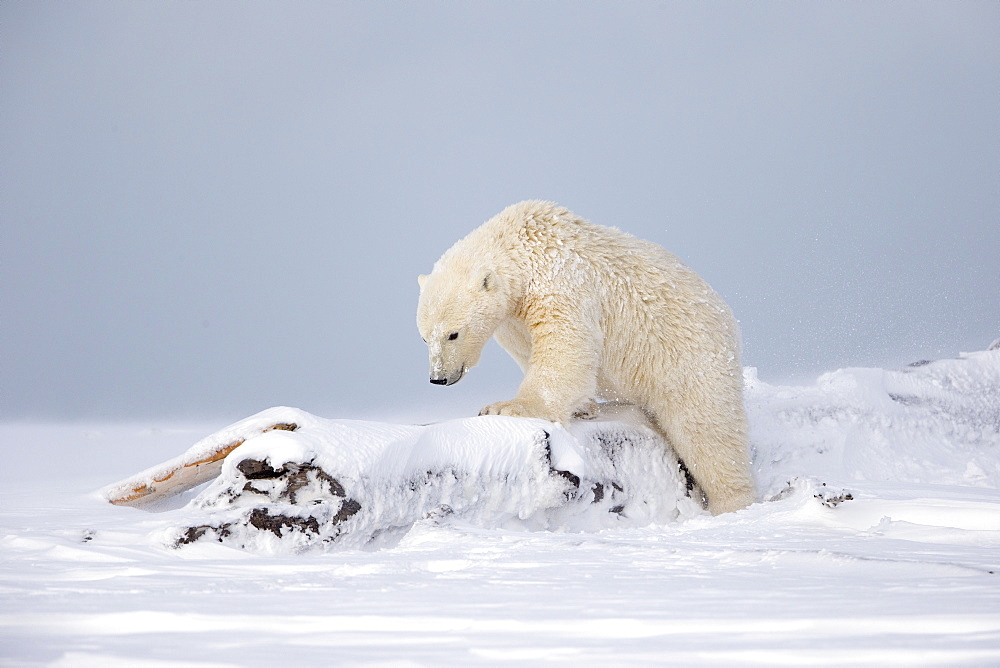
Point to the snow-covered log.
(312, 482)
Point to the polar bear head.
(460, 307)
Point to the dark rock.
(573, 479)
(305, 475)
(263, 520)
(196, 533)
(253, 469)
(598, 492)
(348, 509)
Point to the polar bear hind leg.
(715, 454)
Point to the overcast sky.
(211, 208)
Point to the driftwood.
(198, 465)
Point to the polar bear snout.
(442, 378)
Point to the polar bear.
(590, 312)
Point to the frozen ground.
(905, 571)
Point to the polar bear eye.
(453, 336)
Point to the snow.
(877, 540)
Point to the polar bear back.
(644, 301)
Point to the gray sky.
(212, 208)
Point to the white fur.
(589, 312)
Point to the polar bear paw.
(515, 408)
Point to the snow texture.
(931, 422)
(483, 541)
(333, 484)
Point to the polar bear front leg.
(540, 397)
(561, 374)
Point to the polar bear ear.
(421, 279)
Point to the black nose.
(439, 381)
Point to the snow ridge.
(931, 422)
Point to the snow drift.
(307, 482)
(931, 422)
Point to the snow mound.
(352, 484)
(931, 422)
